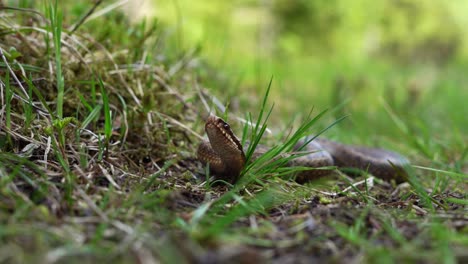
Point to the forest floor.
(98, 134)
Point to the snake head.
(222, 139)
(226, 145)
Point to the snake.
(225, 155)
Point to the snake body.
(225, 155)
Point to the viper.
(226, 157)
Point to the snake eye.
(222, 123)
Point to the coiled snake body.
(226, 157)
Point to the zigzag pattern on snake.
(226, 156)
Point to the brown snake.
(226, 157)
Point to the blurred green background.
(352, 57)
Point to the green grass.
(55, 18)
(99, 126)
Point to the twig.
(83, 18)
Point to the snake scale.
(226, 156)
